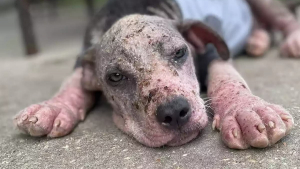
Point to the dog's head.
(144, 65)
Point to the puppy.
(140, 54)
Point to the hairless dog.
(140, 54)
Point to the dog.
(140, 54)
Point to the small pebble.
(66, 147)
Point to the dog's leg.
(59, 115)
(243, 119)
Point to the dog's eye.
(180, 53)
(116, 77)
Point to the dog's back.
(113, 10)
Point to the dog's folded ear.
(199, 35)
(86, 60)
(86, 56)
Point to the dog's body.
(143, 64)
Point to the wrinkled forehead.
(135, 40)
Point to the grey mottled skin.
(116, 9)
(113, 10)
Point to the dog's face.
(146, 71)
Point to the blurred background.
(57, 26)
(50, 26)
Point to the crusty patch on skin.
(244, 119)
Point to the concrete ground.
(97, 143)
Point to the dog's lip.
(173, 138)
(201, 119)
(185, 136)
(156, 141)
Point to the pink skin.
(244, 119)
(58, 116)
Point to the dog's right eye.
(116, 77)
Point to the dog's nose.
(175, 113)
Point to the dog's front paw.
(52, 119)
(251, 121)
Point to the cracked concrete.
(97, 143)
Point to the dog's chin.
(175, 139)
(183, 138)
(172, 137)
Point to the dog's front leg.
(59, 115)
(243, 119)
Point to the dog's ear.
(88, 56)
(86, 60)
(199, 35)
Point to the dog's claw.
(261, 128)
(25, 117)
(235, 133)
(285, 117)
(214, 124)
(33, 119)
(57, 123)
(271, 124)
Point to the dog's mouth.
(176, 138)
(157, 136)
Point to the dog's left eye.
(116, 77)
(180, 53)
